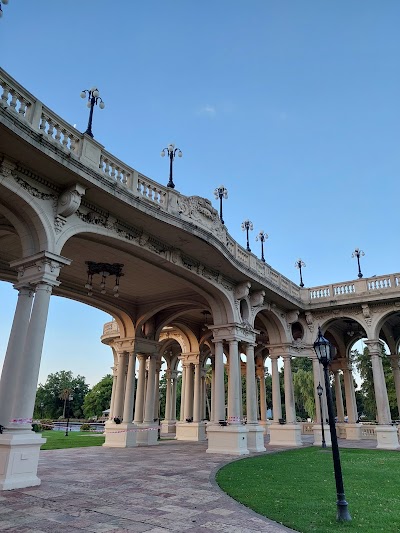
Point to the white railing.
(59, 131)
(346, 288)
(368, 432)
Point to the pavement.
(154, 489)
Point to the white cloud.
(207, 110)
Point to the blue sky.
(293, 106)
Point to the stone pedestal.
(353, 431)
(120, 435)
(255, 438)
(387, 438)
(265, 424)
(285, 435)
(147, 434)
(168, 426)
(318, 435)
(192, 431)
(19, 458)
(230, 440)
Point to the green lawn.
(75, 439)
(297, 488)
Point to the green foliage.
(85, 427)
(47, 424)
(98, 399)
(304, 393)
(37, 428)
(53, 396)
(297, 488)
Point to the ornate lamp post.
(358, 253)
(221, 192)
(5, 2)
(300, 264)
(69, 399)
(324, 351)
(319, 391)
(171, 152)
(246, 226)
(262, 236)
(41, 409)
(93, 99)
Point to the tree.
(304, 393)
(98, 398)
(51, 395)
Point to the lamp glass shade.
(319, 390)
(102, 105)
(83, 94)
(179, 154)
(88, 104)
(322, 348)
(5, 2)
(95, 93)
(162, 154)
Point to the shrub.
(85, 427)
(46, 424)
(37, 428)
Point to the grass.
(297, 488)
(76, 439)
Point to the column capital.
(235, 331)
(374, 346)
(43, 267)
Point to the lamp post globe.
(324, 352)
(300, 264)
(220, 193)
(247, 226)
(262, 237)
(93, 99)
(358, 253)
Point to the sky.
(292, 106)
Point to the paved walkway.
(156, 489)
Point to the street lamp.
(1, 11)
(69, 399)
(262, 236)
(93, 99)
(300, 264)
(358, 253)
(324, 352)
(41, 409)
(171, 151)
(319, 391)
(221, 192)
(246, 226)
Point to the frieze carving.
(200, 210)
(59, 223)
(33, 191)
(7, 168)
(309, 321)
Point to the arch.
(273, 324)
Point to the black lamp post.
(300, 264)
(93, 99)
(324, 351)
(246, 226)
(319, 391)
(4, 2)
(69, 399)
(221, 192)
(358, 253)
(171, 151)
(262, 236)
(41, 409)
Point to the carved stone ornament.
(257, 298)
(201, 211)
(70, 200)
(366, 311)
(33, 191)
(309, 321)
(242, 290)
(7, 168)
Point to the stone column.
(251, 397)
(157, 391)
(394, 363)
(386, 434)
(150, 391)
(234, 384)
(263, 395)
(114, 385)
(139, 403)
(8, 382)
(173, 410)
(120, 388)
(197, 392)
(276, 390)
(351, 405)
(130, 389)
(339, 397)
(183, 392)
(218, 398)
(168, 398)
(290, 407)
(212, 414)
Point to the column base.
(119, 435)
(353, 431)
(192, 431)
(285, 435)
(168, 426)
(265, 424)
(318, 435)
(147, 434)
(255, 438)
(387, 438)
(230, 440)
(19, 459)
